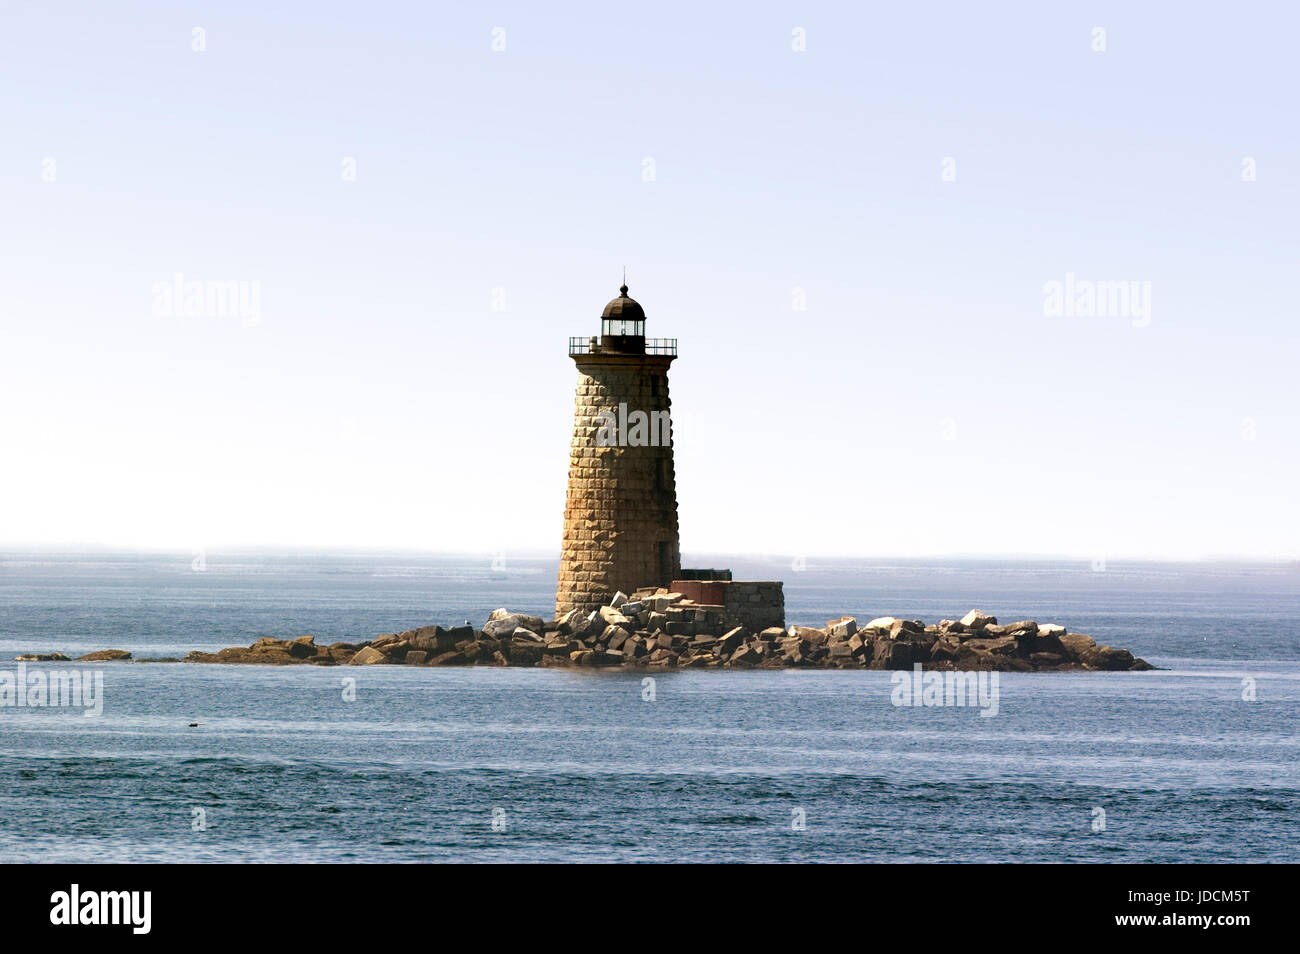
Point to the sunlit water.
(543, 765)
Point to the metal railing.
(584, 345)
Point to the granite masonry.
(620, 512)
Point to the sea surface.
(1196, 761)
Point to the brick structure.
(620, 515)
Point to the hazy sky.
(922, 402)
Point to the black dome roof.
(624, 308)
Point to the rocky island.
(658, 629)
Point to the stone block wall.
(756, 605)
(620, 514)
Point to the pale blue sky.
(922, 404)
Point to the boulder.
(614, 617)
(880, 624)
(973, 658)
(1047, 643)
(998, 645)
(894, 654)
(842, 628)
(662, 657)
(978, 619)
(453, 658)
(732, 640)
(1051, 629)
(1076, 644)
(901, 628)
(416, 657)
(1107, 658)
(744, 656)
(533, 623)
(241, 654)
(525, 654)
(304, 647)
(368, 657)
(793, 646)
(504, 626)
(565, 624)
(435, 640)
(945, 649)
(590, 626)
(479, 650)
(1027, 641)
(105, 655)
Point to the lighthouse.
(620, 513)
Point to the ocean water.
(489, 764)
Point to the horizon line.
(547, 553)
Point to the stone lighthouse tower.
(620, 517)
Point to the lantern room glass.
(622, 328)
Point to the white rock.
(978, 619)
(843, 628)
(614, 618)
